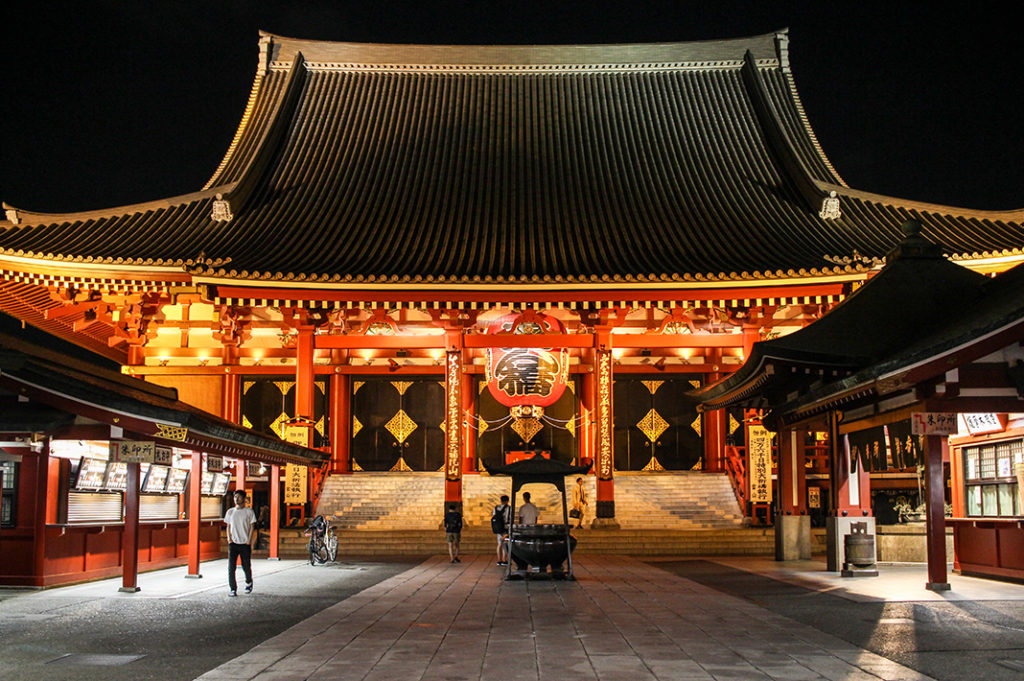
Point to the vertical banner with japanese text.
(453, 417)
(295, 484)
(604, 415)
(759, 464)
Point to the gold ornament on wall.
(526, 428)
(401, 426)
(652, 425)
(652, 386)
(696, 425)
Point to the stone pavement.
(622, 619)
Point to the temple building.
(420, 258)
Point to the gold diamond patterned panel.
(480, 388)
(696, 425)
(321, 386)
(356, 426)
(246, 422)
(278, 423)
(734, 425)
(571, 385)
(320, 425)
(653, 465)
(356, 385)
(526, 428)
(355, 466)
(652, 425)
(481, 427)
(401, 466)
(246, 385)
(652, 386)
(400, 426)
(444, 427)
(695, 384)
(284, 386)
(570, 425)
(401, 386)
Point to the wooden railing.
(736, 467)
(316, 485)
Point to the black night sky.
(107, 103)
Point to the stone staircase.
(659, 514)
(414, 501)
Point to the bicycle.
(323, 542)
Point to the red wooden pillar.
(792, 524)
(341, 424)
(195, 481)
(453, 430)
(275, 510)
(792, 473)
(935, 514)
(42, 492)
(304, 388)
(714, 421)
(240, 475)
(469, 406)
(588, 398)
(130, 537)
(231, 398)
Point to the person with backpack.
(501, 518)
(453, 532)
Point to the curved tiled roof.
(579, 164)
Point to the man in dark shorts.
(453, 532)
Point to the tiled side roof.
(370, 163)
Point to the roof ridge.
(282, 48)
(19, 216)
(1015, 214)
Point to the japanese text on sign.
(294, 484)
(296, 434)
(932, 423)
(130, 451)
(759, 462)
(214, 463)
(980, 424)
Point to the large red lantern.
(527, 376)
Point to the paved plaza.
(730, 619)
(621, 620)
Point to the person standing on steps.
(241, 522)
(453, 532)
(579, 502)
(501, 518)
(528, 513)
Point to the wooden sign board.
(295, 484)
(932, 423)
(133, 451)
(981, 424)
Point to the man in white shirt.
(241, 522)
(528, 513)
